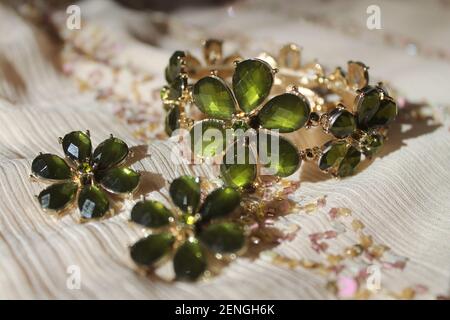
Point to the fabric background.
(104, 78)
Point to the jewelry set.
(252, 115)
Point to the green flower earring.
(84, 176)
(191, 232)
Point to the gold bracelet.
(278, 93)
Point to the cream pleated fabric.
(105, 77)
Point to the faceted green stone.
(110, 152)
(278, 155)
(341, 157)
(375, 143)
(57, 196)
(349, 162)
(175, 65)
(151, 249)
(189, 261)
(252, 81)
(185, 193)
(77, 146)
(49, 166)
(172, 121)
(368, 103)
(120, 180)
(332, 154)
(208, 138)
(238, 168)
(151, 214)
(342, 123)
(213, 97)
(92, 202)
(223, 237)
(220, 203)
(385, 114)
(175, 89)
(286, 112)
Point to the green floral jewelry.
(239, 108)
(192, 233)
(355, 114)
(84, 176)
(359, 123)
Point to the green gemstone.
(109, 153)
(340, 157)
(77, 146)
(278, 155)
(349, 162)
(220, 203)
(175, 66)
(57, 196)
(286, 112)
(120, 180)
(208, 138)
(185, 193)
(252, 81)
(189, 261)
(342, 123)
(223, 237)
(332, 154)
(368, 103)
(375, 143)
(151, 214)
(213, 97)
(238, 168)
(172, 122)
(49, 166)
(175, 89)
(385, 115)
(149, 250)
(92, 202)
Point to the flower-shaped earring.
(189, 233)
(84, 175)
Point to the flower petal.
(92, 202)
(252, 81)
(189, 261)
(185, 193)
(208, 138)
(278, 155)
(220, 203)
(109, 153)
(58, 196)
(147, 251)
(213, 97)
(286, 112)
(151, 214)
(238, 168)
(120, 180)
(223, 237)
(77, 146)
(52, 167)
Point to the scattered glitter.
(357, 225)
